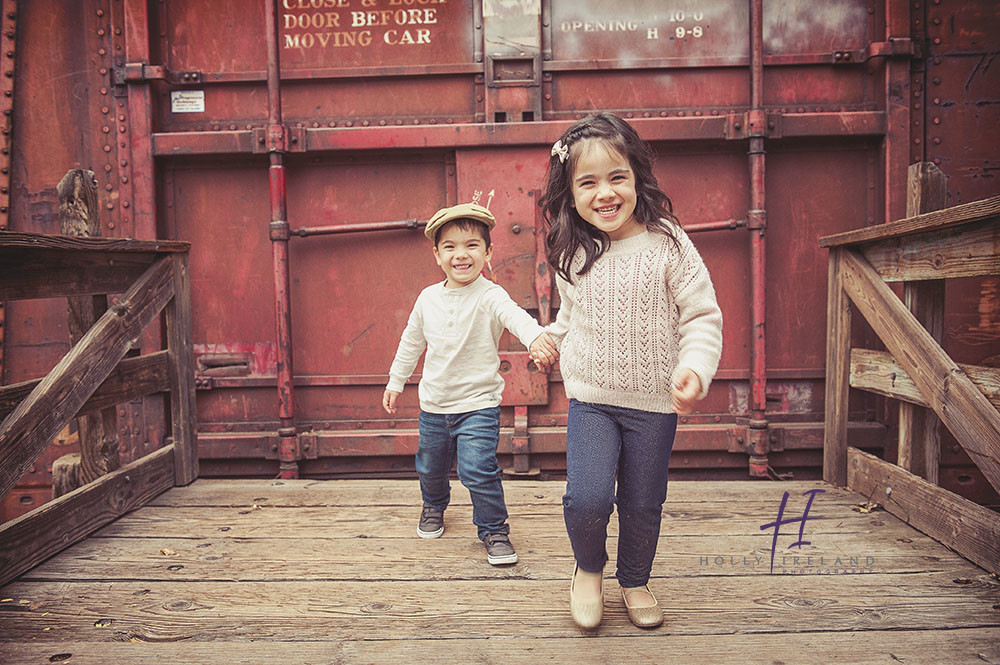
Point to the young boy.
(460, 321)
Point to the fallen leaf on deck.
(866, 507)
(168, 552)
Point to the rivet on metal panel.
(365, 123)
(937, 141)
(916, 141)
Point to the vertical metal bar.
(276, 136)
(757, 224)
(896, 147)
(7, 58)
(140, 113)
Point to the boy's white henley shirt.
(460, 328)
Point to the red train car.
(298, 144)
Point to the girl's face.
(604, 190)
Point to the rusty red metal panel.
(387, 116)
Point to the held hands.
(544, 352)
(389, 401)
(687, 387)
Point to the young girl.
(640, 335)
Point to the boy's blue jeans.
(603, 442)
(473, 436)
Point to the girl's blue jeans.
(604, 442)
(473, 437)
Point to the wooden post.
(919, 427)
(838, 373)
(181, 368)
(80, 217)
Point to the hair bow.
(560, 150)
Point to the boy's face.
(461, 254)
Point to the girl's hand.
(544, 352)
(389, 401)
(687, 387)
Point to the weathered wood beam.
(965, 251)
(44, 273)
(968, 528)
(131, 379)
(30, 539)
(838, 355)
(36, 241)
(952, 395)
(26, 432)
(183, 415)
(79, 217)
(877, 372)
(919, 439)
(932, 221)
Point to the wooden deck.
(290, 572)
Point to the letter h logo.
(777, 524)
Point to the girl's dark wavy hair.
(567, 231)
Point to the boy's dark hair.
(568, 232)
(465, 224)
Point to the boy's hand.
(544, 352)
(687, 387)
(389, 401)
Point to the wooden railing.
(961, 241)
(152, 277)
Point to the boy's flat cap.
(471, 211)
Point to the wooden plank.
(968, 528)
(878, 372)
(871, 647)
(400, 521)
(543, 555)
(48, 273)
(26, 432)
(961, 214)
(27, 242)
(838, 351)
(244, 493)
(30, 539)
(956, 400)
(131, 379)
(183, 413)
(965, 251)
(447, 609)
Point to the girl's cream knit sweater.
(644, 309)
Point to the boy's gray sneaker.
(431, 524)
(499, 551)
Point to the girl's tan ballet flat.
(643, 617)
(587, 614)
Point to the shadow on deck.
(270, 571)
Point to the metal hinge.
(137, 72)
(893, 48)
